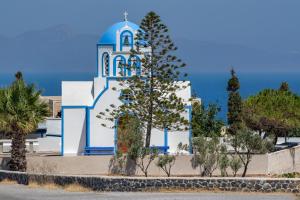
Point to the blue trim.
(190, 128)
(97, 61)
(138, 65)
(115, 64)
(62, 132)
(166, 140)
(121, 39)
(99, 150)
(103, 69)
(161, 149)
(87, 131)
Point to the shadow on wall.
(82, 141)
(122, 166)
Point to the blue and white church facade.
(82, 131)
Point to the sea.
(210, 87)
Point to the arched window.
(135, 65)
(105, 64)
(119, 65)
(126, 39)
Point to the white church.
(82, 131)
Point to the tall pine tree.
(234, 115)
(153, 91)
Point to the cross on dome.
(125, 16)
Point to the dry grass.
(52, 186)
(8, 182)
(49, 186)
(181, 190)
(76, 188)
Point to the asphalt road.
(19, 192)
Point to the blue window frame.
(105, 64)
(119, 63)
(134, 63)
(126, 39)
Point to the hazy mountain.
(56, 49)
(60, 49)
(216, 57)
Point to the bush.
(246, 143)
(206, 154)
(235, 164)
(145, 157)
(223, 161)
(166, 162)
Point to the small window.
(126, 39)
(135, 65)
(106, 63)
(121, 66)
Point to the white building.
(82, 101)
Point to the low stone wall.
(132, 184)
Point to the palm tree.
(20, 112)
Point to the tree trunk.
(18, 152)
(275, 139)
(148, 133)
(245, 169)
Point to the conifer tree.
(234, 114)
(153, 100)
(284, 86)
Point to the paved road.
(19, 192)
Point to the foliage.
(223, 161)
(246, 143)
(117, 164)
(235, 164)
(153, 93)
(234, 115)
(206, 154)
(166, 162)
(20, 112)
(284, 86)
(291, 175)
(275, 112)
(204, 120)
(145, 157)
(131, 137)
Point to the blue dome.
(109, 37)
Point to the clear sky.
(271, 26)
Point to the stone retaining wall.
(123, 184)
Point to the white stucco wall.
(53, 126)
(76, 93)
(49, 144)
(99, 86)
(100, 135)
(157, 138)
(74, 131)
